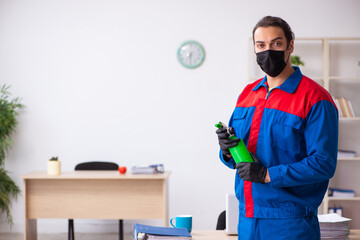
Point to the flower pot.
(54, 168)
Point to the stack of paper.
(145, 232)
(333, 226)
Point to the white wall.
(100, 81)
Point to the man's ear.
(291, 46)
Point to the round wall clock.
(191, 54)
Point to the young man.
(290, 125)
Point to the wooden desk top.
(221, 235)
(94, 175)
(355, 234)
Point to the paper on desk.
(332, 218)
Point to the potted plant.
(295, 60)
(8, 122)
(54, 166)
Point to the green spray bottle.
(240, 153)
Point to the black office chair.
(95, 166)
(221, 222)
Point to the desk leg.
(166, 203)
(30, 225)
(30, 232)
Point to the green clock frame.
(198, 47)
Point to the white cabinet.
(335, 64)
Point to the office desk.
(94, 195)
(221, 235)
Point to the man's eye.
(277, 44)
(260, 45)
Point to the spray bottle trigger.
(231, 131)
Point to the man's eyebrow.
(278, 38)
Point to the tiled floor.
(63, 236)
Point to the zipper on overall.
(268, 92)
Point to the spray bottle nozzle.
(219, 125)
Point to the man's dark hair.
(270, 21)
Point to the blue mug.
(182, 221)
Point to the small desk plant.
(54, 166)
(8, 122)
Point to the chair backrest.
(221, 222)
(97, 165)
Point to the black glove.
(252, 171)
(224, 141)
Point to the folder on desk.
(145, 232)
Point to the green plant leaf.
(8, 189)
(8, 122)
(295, 60)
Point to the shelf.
(308, 39)
(349, 158)
(349, 118)
(344, 39)
(344, 78)
(317, 79)
(343, 199)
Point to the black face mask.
(271, 62)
